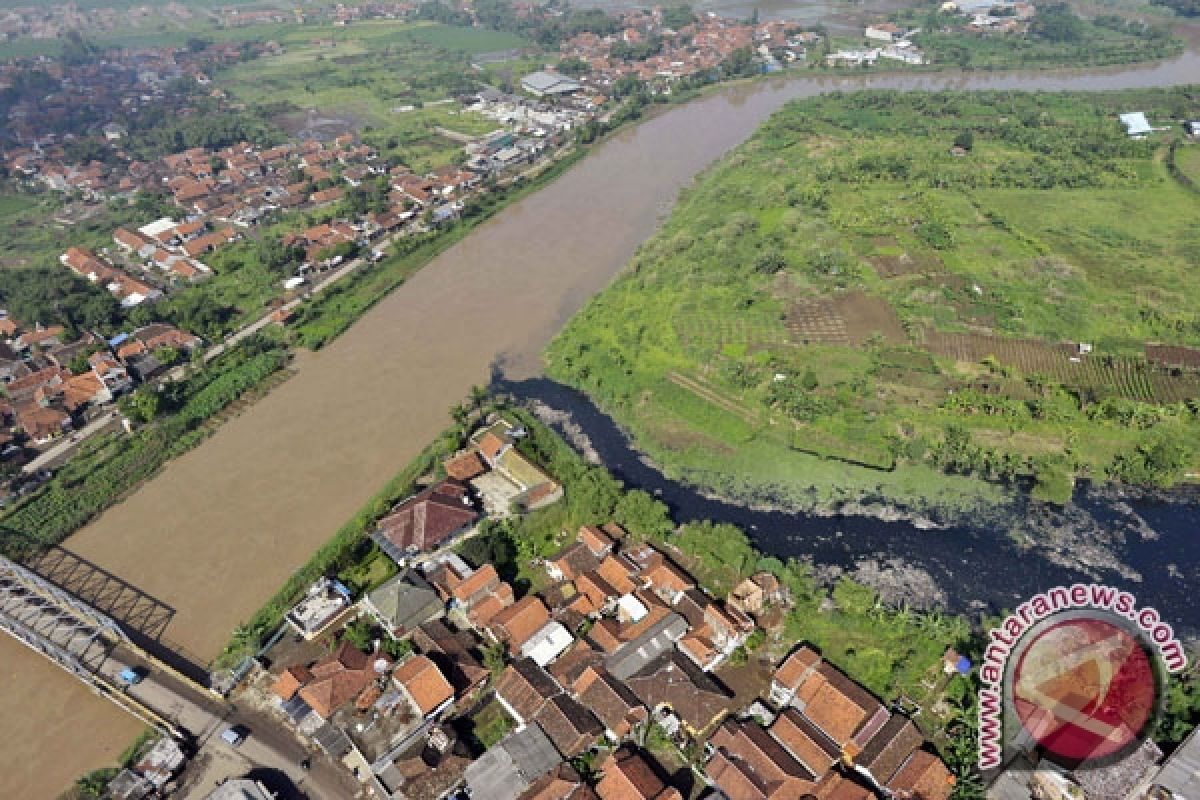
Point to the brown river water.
(224, 525)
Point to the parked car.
(131, 676)
(235, 735)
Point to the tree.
(642, 515)
(965, 140)
(397, 648)
(493, 659)
(809, 380)
(360, 633)
(142, 406)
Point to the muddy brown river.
(224, 525)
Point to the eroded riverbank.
(224, 525)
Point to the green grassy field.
(844, 293)
(370, 77)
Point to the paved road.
(204, 716)
(66, 446)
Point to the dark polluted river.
(1142, 542)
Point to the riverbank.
(987, 561)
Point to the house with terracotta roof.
(341, 677)
(674, 683)
(628, 774)
(749, 764)
(571, 726)
(792, 672)
(532, 488)
(465, 466)
(290, 681)
(889, 749)
(844, 711)
(613, 703)
(523, 688)
(426, 521)
(452, 652)
(598, 540)
(564, 783)
(41, 425)
(571, 562)
(922, 777)
(721, 632)
(516, 624)
(423, 684)
(805, 741)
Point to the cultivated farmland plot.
(1122, 376)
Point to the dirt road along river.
(225, 524)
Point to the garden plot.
(850, 318)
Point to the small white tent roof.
(1136, 123)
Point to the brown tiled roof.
(465, 466)
(575, 559)
(612, 702)
(563, 783)
(482, 579)
(490, 445)
(805, 741)
(452, 652)
(673, 681)
(593, 586)
(597, 540)
(796, 666)
(424, 683)
(569, 668)
(569, 725)
(290, 681)
(762, 759)
(834, 786)
(617, 573)
(526, 687)
(838, 705)
(890, 747)
(520, 621)
(429, 518)
(482, 613)
(925, 776)
(628, 775)
(339, 678)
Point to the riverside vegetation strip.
(878, 289)
(179, 416)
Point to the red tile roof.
(424, 683)
(423, 522)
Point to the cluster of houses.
(94, 97)
(223, 193)
(885, 40)
(50, 383)
(698, 47)
(992, 16)
(619, 641)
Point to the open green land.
(385, 79)
(878, 295)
